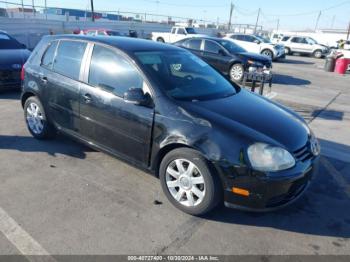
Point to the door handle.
(87, 98)
(44, 79)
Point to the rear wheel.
(188, 183)
(160, 39)
(236, 72)
(287, 51)
(36, 119)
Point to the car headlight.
(264, 157)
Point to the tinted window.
(7, 42)
(231, 47)
(173, 30)
(101, 33)
(47, 60)
(193, 44)
(112, 72)
(191, 31)
(237, 37)
(211, 47)
(68, 59)
(299, 40)
(249, 38)
(113, 33)
(181, 31)
(184, 76)
(285, 38)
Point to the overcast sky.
(293, 14)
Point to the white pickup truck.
(177, 33)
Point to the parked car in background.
(177, 33)
(257, 44)
(94, 32)
(227, 57)
(13, 55)
(163, 109)
(305, 45)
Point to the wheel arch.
(270, 50)
(26, 95)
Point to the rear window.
(194, 44)
(7, 42)
(68, 59)
(47, 60)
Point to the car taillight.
(22, 73)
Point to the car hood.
(9, 57)
(249, 115)
(256, 57)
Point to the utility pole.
(92, 11)
(23, 10)
(257, 21)
(46, 9)
(231, 11)
(278, 25)
(317, 20)
(347, 36)
(33, 8)
(333, 19)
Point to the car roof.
(127, 44)
(205, 38)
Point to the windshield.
(311, 41)
(231, 47)
(6, 42)
(191, 31)
(184, 76)
(263, 39)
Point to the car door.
(180, 34)
(106, 119)
(215, 55)
(61, 76)
(252, 44)
(296, 44)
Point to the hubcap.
(185, 182)
(267, 53)
(35, 118)
(236, 72)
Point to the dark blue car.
(13, 55)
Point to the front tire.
(236, 72)
(36, 119)
(160, 40)
(188, 183)
(317, 54)
(267, 52)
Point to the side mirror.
(257, 42)
(136, 96)
(24, 46)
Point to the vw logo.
(16, 66)
(315, 147)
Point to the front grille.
(8, 75)
(303, 154)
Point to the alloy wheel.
(35, 118)
(185, 182)
(236, 72)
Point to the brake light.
(22, 73)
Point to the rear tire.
(36, 119)
(188, 182)
(160, 39)
(267, 52)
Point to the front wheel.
(160, 40)
(236, 72)
(268, 53)
(188, 182)
(36, 119)
(318, 54)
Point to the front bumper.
(269, 191)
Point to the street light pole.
(318, 19)
(231, 11)
(257, 21)
(23, 9)
(347, 36)
(92, 11)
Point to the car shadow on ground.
(289, 80)
(322, 211)
(294, 62)
(59, 145)
(328, 114)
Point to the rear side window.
(47, 60)
(112, 72)
(194, 44)
(285, 38)
(68, 59)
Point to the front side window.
(47, 60)
(184, 76)
(231, 47)
(285, 38)
(68, 59)
(211, 47)
(112, 72)
(181, 31)
(191, 31)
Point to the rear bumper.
(268, 192)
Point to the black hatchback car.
(165, 110)
(13, 55)
(227, 57)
